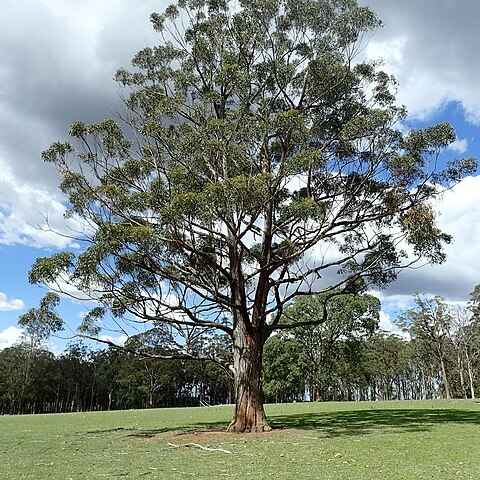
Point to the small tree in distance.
(430, 326)
(266, 165)
(344, 318)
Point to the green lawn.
(378, 440)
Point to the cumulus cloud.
(8, 304)
(120, 340)
(57, 66)
(459, 216)
(454, 280)
(31, 215)
(460, 145)
(393, 302)
(387, 325)
(431, 47)
(9, 336)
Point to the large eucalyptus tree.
(260, 159)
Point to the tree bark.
(470, 375)
(249, 413)
(445, 379)
(461, 376)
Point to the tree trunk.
(470, 375)
(445, 379)
(110, 398)
(444, 372)
(247, 363)
(461, 376)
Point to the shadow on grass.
(106, 430)
(143, 433)
(193, 428)
(341, 423)
(363, 422)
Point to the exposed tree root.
(240, 427)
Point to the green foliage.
(39, 323)
(347, 314)
(430, 325)
(27, 377)
(261, 141)
(430, 322)
(322, 329)
(250, 124)
(47, 269)
(285, 364)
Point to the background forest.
(345, 358)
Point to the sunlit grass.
(391, 440)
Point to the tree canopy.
(344, 319)
(259, 159)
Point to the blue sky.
(57, 62)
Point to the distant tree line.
(33, 380)
(439, 357)
(345, 358)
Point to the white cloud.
(393, 302)
(8, 304)
(459, 146)
(456, 277)
(120, 340)
(67, 289)
(30, 215)
(387, 325)
(54, 348)
(36, 100)
(430, 46)
(9, 336)
(390, 51)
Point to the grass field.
(378, 440)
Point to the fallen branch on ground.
(196, 445)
